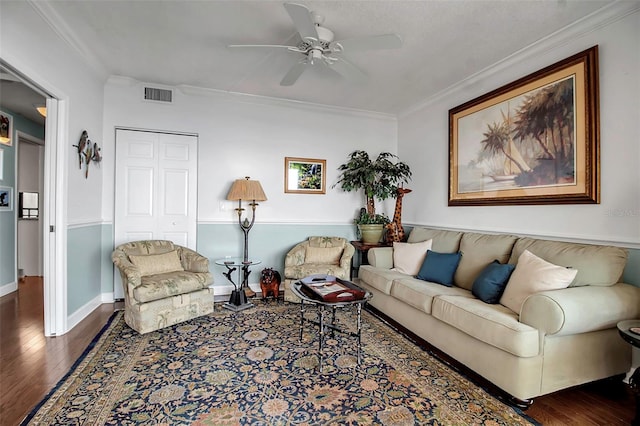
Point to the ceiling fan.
(319, 48)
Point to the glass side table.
(238, 299)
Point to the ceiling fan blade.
(384, 41)
(273, 46)
(302, 19)
(346, 69)
(293, 74)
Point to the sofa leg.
(522, 404)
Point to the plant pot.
(371, 234)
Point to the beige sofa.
(164, 284)
(558, 339)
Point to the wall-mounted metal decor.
(87, 152)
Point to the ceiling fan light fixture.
(42, 110)
(317, 43)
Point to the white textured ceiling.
(185, 43)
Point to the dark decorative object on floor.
(250, 368)
(270, 283)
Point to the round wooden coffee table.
(624, 328)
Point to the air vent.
(158, 95)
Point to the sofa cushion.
(327, 255)
(151, 264)
(495, 325)
(439, 267)
(155, 287)
(479, 250)
(533, 275)
(443, 241)
(408, 257)
(420, 294)
(490, 284)
(596, 265)
(380, 279)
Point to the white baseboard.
(8, 288)
(80, 314)
(107, 297)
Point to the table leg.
(321, 337)
(634, 382)
(359, 329)
(301, 318)
(333, 321)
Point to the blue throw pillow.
(439, 267)
(491, 282)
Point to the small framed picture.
(6, 129)
(304, 175)
(6, 199)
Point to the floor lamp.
(248, 190)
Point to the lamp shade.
(246, 189)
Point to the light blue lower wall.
(84, 266)
(107, 264)
(267, 242)
(632, 271)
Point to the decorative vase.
(371, 234)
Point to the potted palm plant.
(378, 179)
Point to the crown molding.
(49, 15)
(287, 103)
(596, 20)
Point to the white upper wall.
(423, 139)
(28, 43)
(250, 136)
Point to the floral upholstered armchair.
(164, 284)
(317, 255)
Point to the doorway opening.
(53, 165)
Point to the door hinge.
(52, 228)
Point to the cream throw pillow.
(532, 275)
(324, 255)
(408, 257)
(152, 264)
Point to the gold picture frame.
(533, 141)
(305, 175)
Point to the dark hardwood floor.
(31, 364)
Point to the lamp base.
(237, 308)
(237, 301)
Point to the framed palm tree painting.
(533, 141)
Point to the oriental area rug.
(250, 368)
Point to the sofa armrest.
(381, 257)
(347, 255)
(581, 309)
(193, 261)
(295, 256)
(129, 272)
